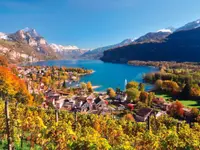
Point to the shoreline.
(81, 74)
(95, 87)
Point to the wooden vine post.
(8, 126)
(56, 115)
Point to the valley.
(125, 93)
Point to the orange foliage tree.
(176, 109)
(3, 61)
(12, 87)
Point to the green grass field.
(26, 146)
(186, 103)
(190, 103)
(163, 95)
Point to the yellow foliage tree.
(89, 87)
(12, 87)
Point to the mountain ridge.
(179, 46)
(98, 52)
(33, 47)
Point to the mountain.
(98, 52)
(68, 52)
(28, 45)
(17, 52)
(190, 26)
(158, 36)
(31, 37)
(25, 45)
(4, 36)
(179, 46)
(152, 37)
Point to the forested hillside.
(179, 46)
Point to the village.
(59, 89)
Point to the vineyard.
(36, 128)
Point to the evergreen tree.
(141, 87)
(185, 94)
(64, 84)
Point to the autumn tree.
(12, 87)
(111, 92)
(141, 87)
(132, 84)
(83, 85)
(176, 109)
(144, 97)
(151, 96)
(46, 80)
(170, 86)
(158, 84)
(89, 87)
(129, 117)
(195, 113)
(3, 61)
(133, 94)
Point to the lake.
(106, 74)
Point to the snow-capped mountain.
(29, 36)
(32, 43)
(31, 32)
(98, 52)
(60, 48)
(182, 46)
(157, 36)
(125, 42)
(152, 37)
(165, 30)
(27, 44)
(190, 26)
(169, 30)
(149, 37)
(4, 36)
(32, 38)
(67, 52)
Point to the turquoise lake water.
(106, 74)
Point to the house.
(143, 114)
(62, 93)
(130, 106)
(158, 100)
(44, 105)
(86, 106)
(121, 107)
(74, 78)
(59, 102)
(50, 93)
(165, 106)
(54, 98)
(79, 101)
(99, 103)
(161, 113)
(121, 96)
(91, 98)
(68, 104)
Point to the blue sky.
(95, 23)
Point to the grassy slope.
(187, 103)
